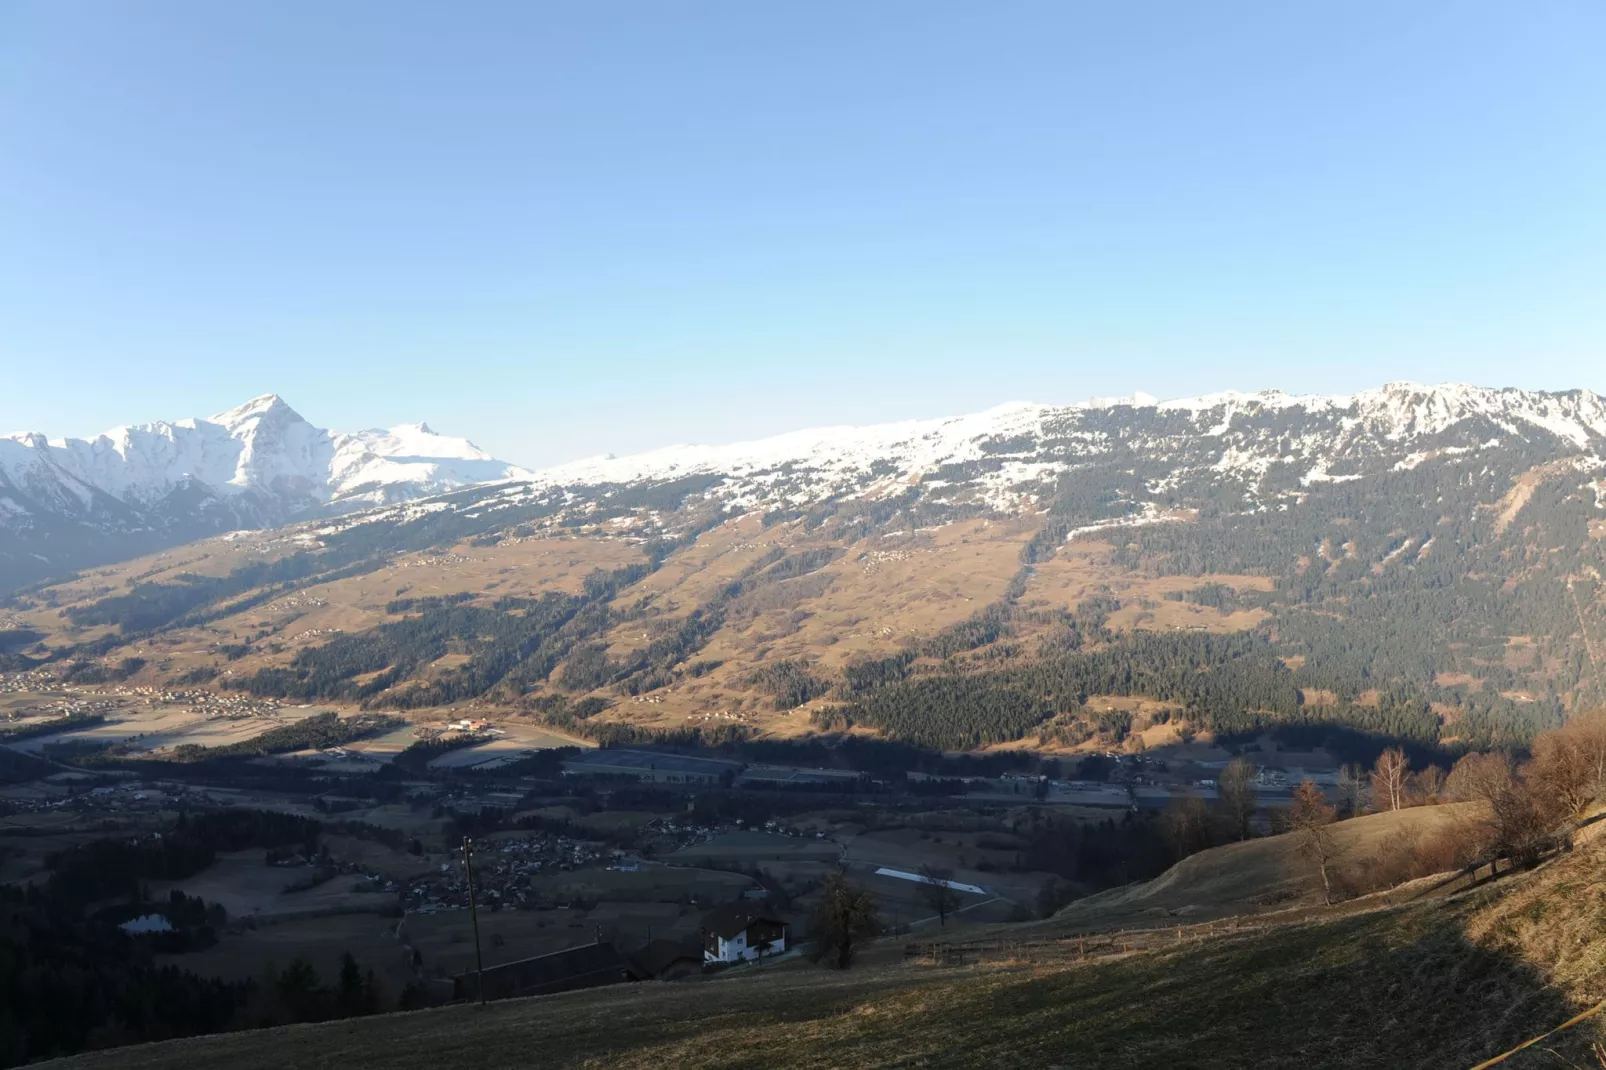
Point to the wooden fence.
(1076, 947)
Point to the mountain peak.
(264, 405)
(259, 463)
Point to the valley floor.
(1438, 983)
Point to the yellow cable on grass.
(1568, 1024)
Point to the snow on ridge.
(1136, 400)
(257, 407)
(1395, 412)
(1266, 399)
(263, 446)
(1405, 407)
(917, 444)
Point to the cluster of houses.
(213, 705)
(671, 834)
(87, 793)
(502, 871)
(219, 705)
(32, 680)
(102, 698)
(62, 708)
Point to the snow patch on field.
(904, 875)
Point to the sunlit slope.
(862, 598)
(1385, 562)
(1257, 876)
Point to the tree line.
(109, 867)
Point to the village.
(613, 864)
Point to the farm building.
(669, 960)
(586, 966)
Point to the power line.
(474, 917)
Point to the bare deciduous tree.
(1239, 796)
(1520, 818)
(1188, 825)
(1309, 818)
(1424, 788)
(1570, 763)
(935, 890)
(1479, 776)
(845, 917)
(1352, 780)
(1592, 725)
(1388, 779)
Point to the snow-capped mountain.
(1137, 453)
(1238, 427)
(1104, 461)
(255, 465)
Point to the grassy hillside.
(1436, 983)
(1258, 875)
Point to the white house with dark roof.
(741, 932)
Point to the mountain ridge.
(66, 502)
(1268, 447)
(1408, 406)
(1425, 563)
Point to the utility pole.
(474, 917)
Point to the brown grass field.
(651, 884)
(744, 848)
(247, 887)
(161, 726)
(1257, 876)
(445, 940)
(1085, 567)
(880, 594)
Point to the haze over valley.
(797, 636)
(1005, 666)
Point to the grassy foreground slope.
(1263, 874)
(1437, 983)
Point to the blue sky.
(564, 228)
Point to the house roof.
(660, 955)
(731, 919)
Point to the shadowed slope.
(1435, 984)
